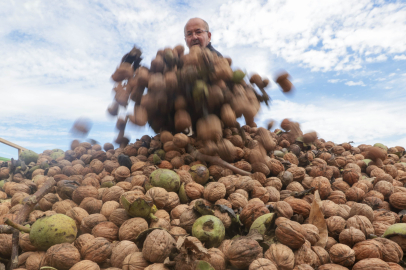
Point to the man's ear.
(209, 34)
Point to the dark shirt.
(210, 47)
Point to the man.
(197, 33)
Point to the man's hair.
(206, 25)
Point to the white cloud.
(400, 57)
(379, 58)
(351, 83)
(333, 80)
(341, 120)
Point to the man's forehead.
(195, 23)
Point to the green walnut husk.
(138, 208)
(380, 145)
(395, 229)
(107, 184)
(238, 75)
(203, 265)
(366, 161)
(2, 182)
(52, 230)
(57, 153)
(164, 178)
(200, 174)
(160, 153)
(262, 224)
(209, 230)
(200, 90)
(156, 159)
(28, 156)
(47, 268)
(182, 194)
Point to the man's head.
(197, 33)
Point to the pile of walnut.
(307, 204)
(198, 90)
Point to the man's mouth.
(195, 43)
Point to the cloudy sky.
(347, 60)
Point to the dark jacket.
(210, 47)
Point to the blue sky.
(347, 60)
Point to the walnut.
(342, 255)
(385, 188)
(373, 202)
(215, 258)
(194, 190)
(391, 251)
(82, 240)
(90, 221)
(157, 246)
(242, 252)
(351, 176)
(380, 227)
(91, 205)
(25, 243)
(281, 255)
(362, 210)
(312, 233)
(214, 191)
(85, 265)
(298, 173)
(290, 233)
(273, 194)
(261, 193)
(385, 216)
(47, 201)
(322, 255)
(188, 218)
(283, 209)
(97, 250)
(262, 264)
(335, 226)
(84, 191)
(107, 230)
(64, 206)
(158, 196)
(362, 223)
(305, 255)
(338, 197)
(108, 208)
(322, 184)
(33, 262)
(251, 212)
(351, 236)
(273, 182)
(61, 256)
(121, 251)
(371, 263)
(112, 194)
(330, 242)
(299, 206)
(354, 194)
(135, 261)
(131, 228)
(178, 210)
(398, 200)
(340, 185)
(77, 214)
(119, 216)
(237, 200)
(368, 249)
(295, 186)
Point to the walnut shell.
(335, 225)
(91, 205)
(119, 216)
(342, 255)
(322, 184)
(362, 223)
(214, 191)
(283, 209)
(61, 256)
(391, 251)
(85, 265)
(371, 264)
(135, 261)
(97, 250)
(157, 246)
(368, 249)
(362, 210)
(131, 228)
(251, 212)
(33, 262)
(158, 196)
(83, 192)
(351, 236)
(107, 230)
(281, 255)
(290, 233)
(77, 214)
(90, 221)
(120, 251)
(305, 255)
(312, 233)
(242, 252)
(237, 200)
(300, 207)
(262, 264)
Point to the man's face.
(196, 33)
